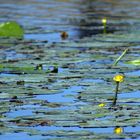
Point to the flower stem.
(104, 30)
(116, 93)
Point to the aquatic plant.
(118, 79)
(39, 67)
(21, 82)
(11, 29)
(120, 57)
(118, 130)
(104, 22)
(135, 62)
(101, 105)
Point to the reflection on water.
(61, 97)
(20, 136)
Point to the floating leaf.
(134, 62)
(11, 29)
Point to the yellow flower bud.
(104, 20)
(101, 105)
(118, 78)
(118, 130)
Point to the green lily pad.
(11, 29)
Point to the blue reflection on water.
(7, 74)
(66, 96)
(130, 95)
(134, 73)
(19, 113)
(19, 136)
(52, 37)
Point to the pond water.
(52, 87)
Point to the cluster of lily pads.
(13, 29)
(80, 117)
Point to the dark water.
(64, 104)
(79, 18)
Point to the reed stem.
(120, 57)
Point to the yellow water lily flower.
(104, 20)
(101, 105)
(118, 78)
(118, 130)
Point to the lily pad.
(11, 29)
